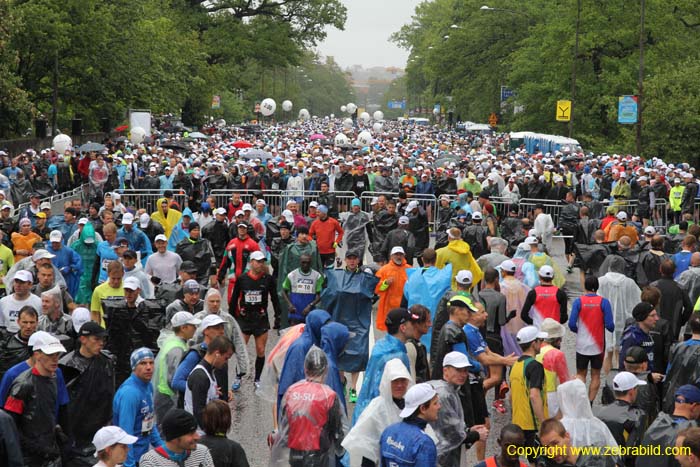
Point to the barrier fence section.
(58, 200)
(276, 201)
(148, 199)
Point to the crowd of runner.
(125, 319)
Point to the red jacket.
(324, 233)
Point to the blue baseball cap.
(355, 202)
(323, 208)
(688, 394)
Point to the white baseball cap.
(546, 271)
(415, 397)
(220, 211)
(624, 381)
(531, 241)
(404, 220)
(40, 338)
(258, 256)
(184, 317)
(55, 236)
(127, 219)
(464, 277)
(247, 207)
(161, 237)
(45, 205)
(24, 276)
(529, 334)
(508, 265)
(132, 283)
(50, 347)
(397, 249)
(650, 230)
(109, 436)
(477, 216)
(261, 202)
(456, 360)
(210, 320)
(411, 206)
(116, 195)
(83, 221)
(79, 317)
(239, 213)
(42, 254)
(313, 204)
(143, 220)
(622, 215)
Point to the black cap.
(91, 328)
(130, 254)
(302, 229)
(188, 266)
(351, 253)
(176, 423)
(285, 225)
(168, 193)
(194, 226)
(636, 354)
(399, 316)
(642, 310)
(35, 195)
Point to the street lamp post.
(573, 69)
(640, 83)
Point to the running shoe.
(236, 384)
(503, 390)
(353, 396)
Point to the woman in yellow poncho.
(459, 255)
(166, 217)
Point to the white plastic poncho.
(363, 439)
(623, 294)
(583, 427)
(544, 228)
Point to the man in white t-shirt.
(22, 296)
(163, 264)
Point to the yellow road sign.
(563, 111)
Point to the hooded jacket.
(577, 416)
(167, 221)
(385, 349)
(334, 337)
(623, 294)
(293, 367)
(458, 254)
(179, 233)
(390, 295)
(381, 412)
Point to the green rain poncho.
(87, 251)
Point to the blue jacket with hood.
(334, 338)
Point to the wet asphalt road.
(252, 416)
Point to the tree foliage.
(103, 58)
(459, 49)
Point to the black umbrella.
(179, 145)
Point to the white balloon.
(331, 116)
(347, 123)
(378, 115)
(287, 105)
(343, 108)
(137, 135)
(377, 127)
(341, 139)
(351, 108)
(304, 114)
(61, 143)
(268, 107)
(364, 138)
(364, 116)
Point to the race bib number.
(275, 186)
(252, 296)
(360, 184)
(105, 263)
(304, 286)
(147, 423)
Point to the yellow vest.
(550, 377)
(523, 414)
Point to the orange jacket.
(324, 234)
(390, 296)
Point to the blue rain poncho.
(426, 287)
(348, 298)
(334, 338)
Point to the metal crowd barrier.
(276, 201)
(148, 199)
(58, 200)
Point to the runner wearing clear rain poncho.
(382, 411)
(623, 294)
(311, 424)
(583, 427)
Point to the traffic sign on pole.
(563, 111)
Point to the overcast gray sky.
(365, 40)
